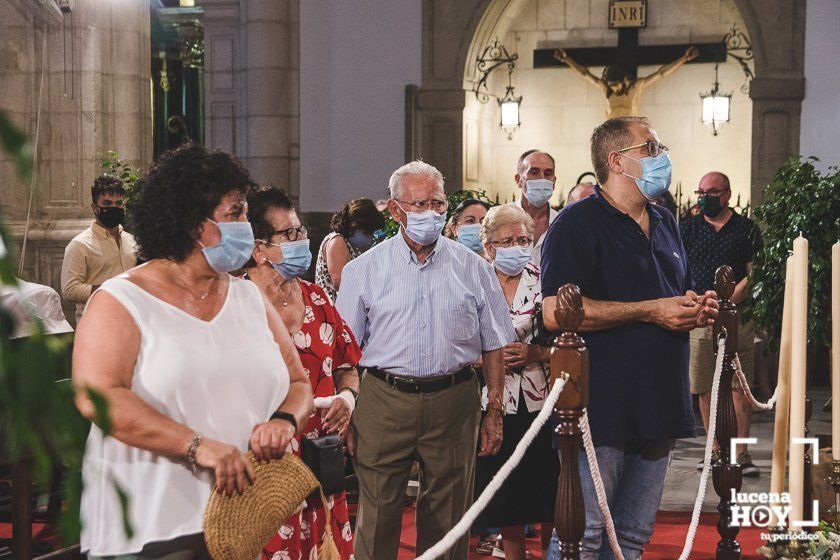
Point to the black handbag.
(325, 458)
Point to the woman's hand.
(517, 354)
(231, 467)
(337, 418)
(270, 439)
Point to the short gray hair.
(505, 215)
(416, 167)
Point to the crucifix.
(619, 81)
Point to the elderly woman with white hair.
(528, 495)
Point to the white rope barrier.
(461, 528)
(592, 459)
(707, 456)
(466, 522)
(742, 379)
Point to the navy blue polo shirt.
(638, 373)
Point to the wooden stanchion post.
(570, 359)
(726, 476)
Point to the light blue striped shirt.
(427, 319)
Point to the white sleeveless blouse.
(219, 377)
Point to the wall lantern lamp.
(716, 106)
(494, 56)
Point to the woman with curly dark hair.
(352, 234)
(195, 365)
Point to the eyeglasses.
(523, 241)
(653, 148)
(435, 204)
(710, 193)
(290, 234)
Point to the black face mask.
(709, 205)
(110, 216)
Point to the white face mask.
(423, 227)
(539, 191)
(512, 260)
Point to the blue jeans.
(634, 477)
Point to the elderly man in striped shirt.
(424, 309)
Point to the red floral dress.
(324, 344)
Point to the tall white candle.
(798, 365)
(835, 351)
(780, 430)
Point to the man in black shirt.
(715, 237)
(626, 257)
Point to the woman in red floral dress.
(327, 349)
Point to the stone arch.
(454, 31)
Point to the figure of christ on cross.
(622, 91)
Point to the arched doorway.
(452, 32)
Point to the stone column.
(252, 83)
(777, 31)
(95, 98)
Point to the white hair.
(505, 215)
(416, 167)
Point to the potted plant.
(799, 200)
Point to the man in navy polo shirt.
(626, 256)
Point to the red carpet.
(666, 544)
(668, 537)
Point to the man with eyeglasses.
(535, 180)
(626, 256)
(424, 308)
(101, 251)
(717, 236)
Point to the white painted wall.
(560, 109)
(356, 56)
(820, 126)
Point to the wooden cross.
(620, 82)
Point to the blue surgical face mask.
(424, 227)
(656, 175)
(296, 258)
(512, 260)
(361, 240)
(539, 191)
(234, 248)
(468, 235)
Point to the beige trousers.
(393, 429)
(701, 365)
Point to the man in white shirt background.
(535, 179)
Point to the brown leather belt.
(422, 384)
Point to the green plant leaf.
(123, 497)
(100, 410)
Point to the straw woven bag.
(238, 527)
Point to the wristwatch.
(496, 405)
(280, 415)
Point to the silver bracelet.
(190, 455)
